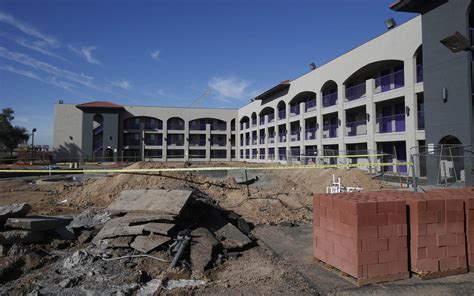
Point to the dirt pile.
(278, 195)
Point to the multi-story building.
(369, 99)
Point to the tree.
(11, 136)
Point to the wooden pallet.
(438, 274)
(362, 282)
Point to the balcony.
(356, 128)
(310, 106)
(199, 126)
(247, 142)
(262, 120)
(295, 136)
(330, 131)
(282, 137)
(419, 73)
(254, 123)
(254, 141)
(175, 142)
(153, 126)
(389, 82)
(355, 92)
(271, 117)
(262, 140)
(294, 110)
(176, 126)
(154, 142)
(197, 142)
(220, 143)
(421, 120)
(132, 126)
(241, 142)
(391, 123)
(310, 133)
(271, 139)
(281, 114)
(218, 127)
(330, 100)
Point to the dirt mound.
(278, 195)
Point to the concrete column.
(142, 140)
(288, 131)
(266, 138)
(164, 144)
(371, 119)
(341, 115)
(410, 102)
(319, 121)
(228, 144)
(208, 142)
(186, 142)
(302, 136)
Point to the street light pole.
(32, 144)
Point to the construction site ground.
(279, 207)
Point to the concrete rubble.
(94, 252)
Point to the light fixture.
(390, 23)
(445, 94)
(456, 43)
(312, 66)
(407, 110)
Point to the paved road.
(294, 244)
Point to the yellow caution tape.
(189, 169)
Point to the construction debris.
(158, 201)
(37, 223)
(14, 210)
(147, 243)
(337, 187)
(232, 238)
(203, 249)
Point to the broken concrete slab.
(232, 238)
(115, 228)
(13, 210)
(20, 236)
(148, 243)
(159, 201)
(84, 237)
(115, 242)
(38, 223)
(158, 228)
(203, 249)
(140, 218)
(65, 232)
(3, 250)
(88, 220)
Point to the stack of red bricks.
(437, 236)
(363, 234)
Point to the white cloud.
(48, 80)
(28, 30)
(123, 84)
(85, 52)
(155, 55)
(58, 73)
(229, 88)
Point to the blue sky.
(168, 53)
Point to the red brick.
(454, 205)
(448, 263)
(397, 218)
(397, 242)
(459, 250)
(388, 256)
(462, 261)
(424, 241)
(402, 230)
(420, 253)
(428, 217)
(349, 219)
(315, 200)
(403, 254)
(435, 228)
(341, 251)
(419, 229)
(401, 207)
(454, 216)
(326, 246)
(449, 239)
(435, 205)
(379, 244)
(378, 219)
(327, 224)
(455, 227)
(367, 232)
(366, 208)
(427, 265)
(363, 220)
(386, 207)
(368, 258)
(435, 252)
(351, 269)
(326, 201)
(320, 211)
(319, 232)
(460, 239)
(320, 254)
(333, 214)
(397, 267)
(333, 238)
(388, 231)
(440, 217)
(376, 270)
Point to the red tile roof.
(285, 84)
(100, 104)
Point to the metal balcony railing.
(282, 137)
(330, 131)
(176, 126)
(330, 99)
(390, 81)
(282, 114)
(154, 142)
(262, 140)
(356, 128)
(391, 123)
(421, 120)
(355, 92)
(295, 136)
(271, 117)
(218, 127)
(294, 110)
(310, 105)
(271, 139)
(310, 133)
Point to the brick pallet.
(362, 234)
(437, 236)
